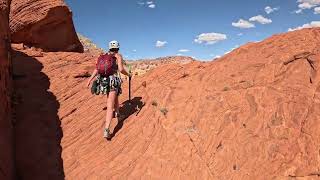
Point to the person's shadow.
(37, 127)
(127, 109)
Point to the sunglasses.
(114, 50)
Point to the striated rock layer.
(39, 23)
(6, 139)
(142, 66)
(252, 114)
(89, 46)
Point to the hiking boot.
(106, 134)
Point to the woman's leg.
(117, 105)
(110, 105)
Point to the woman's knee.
(111, 98)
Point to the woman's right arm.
(94, 73)
(120, 65)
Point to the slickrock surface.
(252, 114)
(39, 23)
(6, 138)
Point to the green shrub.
(226, 89)
(154, 103)
(164, 111)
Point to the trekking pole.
(130, 84)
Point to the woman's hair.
(116, 50)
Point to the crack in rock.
(304, 55)
(303, 176)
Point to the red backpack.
(107, 65)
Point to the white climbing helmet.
(114, 45)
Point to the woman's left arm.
(94, 73)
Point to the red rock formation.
(252, 114)
(39, 24)
(6, 139)
(142, 66)
(89, 46)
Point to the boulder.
(44, 24)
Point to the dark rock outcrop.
(6, 139)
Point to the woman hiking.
(107, 68)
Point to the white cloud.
(260, 19)
(152, 6)
(240, 34)
(309, 25)
(243, 24)
(227, 52)
(210, 38)
(149, 4)
(270, 10)
(317, 10)
(184, 50)
(160, 44)
(179, 54)
(215, 56)
(306, 4)
(134, 50)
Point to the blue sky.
(200, 28)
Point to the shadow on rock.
(37, 126)
(127, 109)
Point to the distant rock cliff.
(89, 46)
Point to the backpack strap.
(115, 63)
